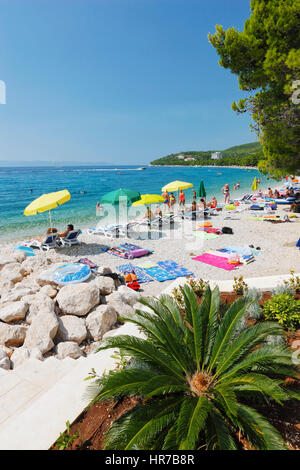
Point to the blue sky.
(116, 81)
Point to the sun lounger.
(50, 241)
(109, 231)
(71, 238)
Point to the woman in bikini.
(172, 201)
(226, 194)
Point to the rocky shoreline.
(40, 319)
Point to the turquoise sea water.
(16, 183)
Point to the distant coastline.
(207, 166)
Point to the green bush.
(285, 309)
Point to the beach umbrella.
(176, 186)
(254, 185)
(201, 191)
(46, 202)
(148, 199)
(113, 197)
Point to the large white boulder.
(13, 311)
(22, 354)
(68, 349)
(17, 293)
(100, 321)
(129, 296)
(6, 259)
(38, 303)
(78, 299)
(71, 328)
(12, 272)
(48, 291)
(42, 331)
(105, 284)
(12, 335)
(104, 270)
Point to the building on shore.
(216, 155)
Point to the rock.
(42, 331)
(78, 299)
(17, 293)
(93, 347)
(104, 270)
(12, 272)
(4, 260)
(129, 296)
(12, 335)
(39, 303)
(6, 286)
(100, 321)
(19, 255)
(3, 353)
(5, 363)
(71, 328)
(122, 309)
(22, 354)
(114, 297)
(105, 284)
(68, 349)
(46, 277)
(48, 290)
(13, 311)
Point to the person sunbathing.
(213, 203)
(277, 194)
(270, 192)
(70, 228)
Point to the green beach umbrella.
(201, 190)
(113, 197)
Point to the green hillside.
(243, 155)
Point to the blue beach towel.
(27, 249)
(159, 274)
(175, 269)
(141, 275)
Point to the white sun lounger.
(50, 241)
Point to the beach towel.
(217, 261)
(204, 235)
(147, 264)
(175, 269)
(27, 249)
(131, 247)
(211, 230)
(142, 276)
(159, 274)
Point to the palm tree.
(196, 373)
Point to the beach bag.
(227, 230)
(136, 253)
(130, 277)
(298, 243)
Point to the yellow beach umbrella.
(254, 185)
(176, 186)
(148, 199)
(46, 202)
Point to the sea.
(19, 186)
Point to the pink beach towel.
(217, 261)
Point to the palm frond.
(191, 421)
(144, 350)
(138, 428)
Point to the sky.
(116, 81)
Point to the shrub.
(293, 282)
(285, 309)
(200, 380)
(239, 285)
(197, 285)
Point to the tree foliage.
(266, 58)
(197, 371)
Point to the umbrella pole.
(50, 219)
